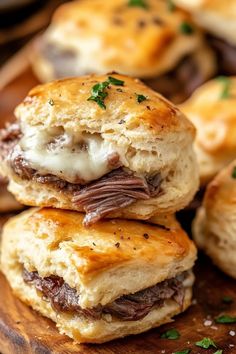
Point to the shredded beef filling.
(115, 190)
(131, 307)
(111, 192)
(226, 55)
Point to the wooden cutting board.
(24, 331)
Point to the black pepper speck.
(141, 24)
(158, 21)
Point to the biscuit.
(116, 278)
(154, 43)
(212, 110)
(214, 227)
(218, 17)
(126, 154)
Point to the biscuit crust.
(212, 110)
(103, 262)
(215, 223)
(131, 40)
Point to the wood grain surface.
(24, 331)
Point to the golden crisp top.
(221, 191)
(137, 40)
(131, 105)
(105, 245)
(212, 109)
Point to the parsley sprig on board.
(225, 319)
(206, 343)
(171, 334)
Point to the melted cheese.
(64, 155)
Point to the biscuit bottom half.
(115, 278)
(129, 314)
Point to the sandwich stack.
(106, 162)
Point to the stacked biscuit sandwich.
(106, 162)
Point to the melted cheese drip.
(62, 154)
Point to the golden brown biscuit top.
(137, 40)
(65, 103)
(108, 243)
(221, 192)
(212, 109)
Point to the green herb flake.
(184, 351)
(51, 102)
(114, 81)
(234, 172)
(220, 351)
(138, 3)
(229, 299)
(99, 94)
(225, 93)
(140, 98)
(171, 6)
(186, 28)
(225, 319)
(171, 334)
(206, 343)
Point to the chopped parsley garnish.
(114, 81)
(229, 299)
(225, 93)
(186, 28)
(171, 334)
(206, 343)
(51, 102)
(99, 92)
(138, 3)
(184, 351)
(140, 98)
(234, 172)
(225, 319)
(171, 5)
(220, 351)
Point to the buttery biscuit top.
(142, 39)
